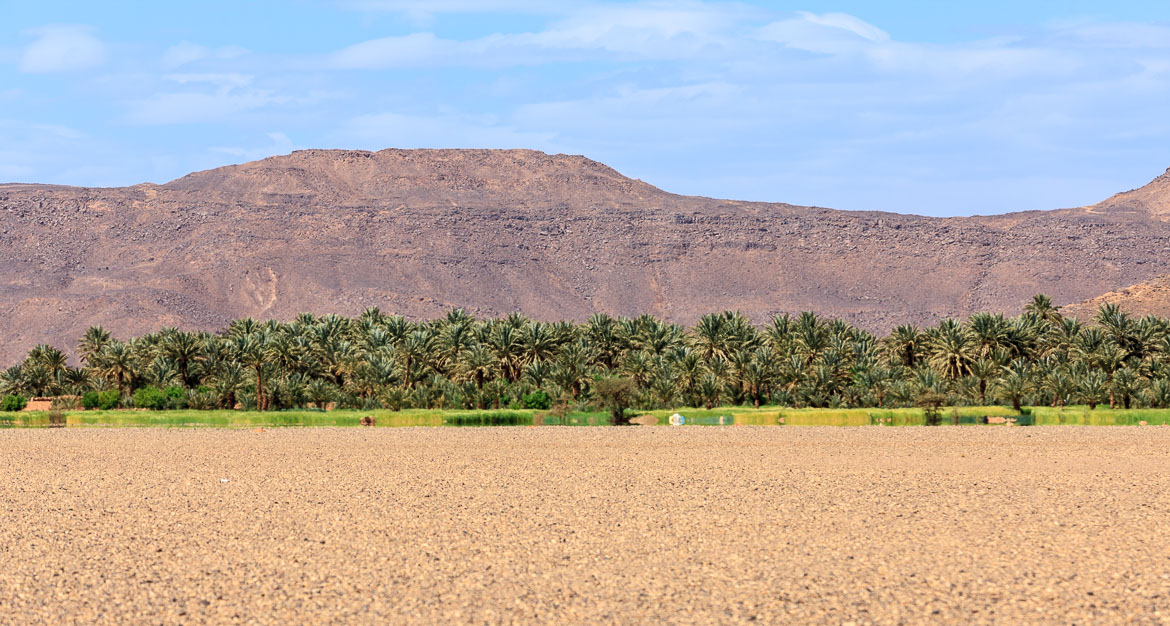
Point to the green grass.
(764, 416)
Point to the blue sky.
(927, 107)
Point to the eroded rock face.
(1151, 297)
(555, 236)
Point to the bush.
(537, 400)
(90, 400)
(615, 395)
(394, 399)
(13, 403)
(56, 419)
(108, 399)
(932, 404)
(150, 398)
(65, 403)
(176, 397)
(200, 399)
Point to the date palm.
(905, 345)
(603, 335)
(538, 342)
(1092, 388)
(184, 349)
(251, 351)
(1016, 382)
(1127, 384)
(91, 343)
(1041, 306)
(1060, 385)
(506, 342)
(952, 350)
(985, 371)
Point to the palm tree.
(1092, 388)
(905, 344)
(506, 342)
(1127, 384)
(1041, 306)
(1016, 382)
(602, 333)
(1061, 385)
(91, 343)
(952, 350)
(12, 380)
(251, 351)
(183, 348)
(985, 371)
(988, 331)
(539, 343)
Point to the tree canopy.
(379, 360)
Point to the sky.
(936, 108)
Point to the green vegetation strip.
(726, 416)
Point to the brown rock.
(420, 231)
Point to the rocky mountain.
(1151, 297)
(555, 236)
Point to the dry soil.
(624, 525)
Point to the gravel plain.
(613, 525)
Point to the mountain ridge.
(554, 236)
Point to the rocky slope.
(1151, 297)
(555, 236)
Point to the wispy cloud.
(186, 52)
(715, 97)
(382, 130)
(425, 11)
(62, 48)
(278, 143)
(647, 30)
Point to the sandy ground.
(1008, 525)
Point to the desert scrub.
(13, 403)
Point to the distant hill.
(555, 236)
(1151, 297)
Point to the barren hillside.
(1151, 297)
(555, 236)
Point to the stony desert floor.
(865, 525)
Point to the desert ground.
(690, 525)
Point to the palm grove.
(385, 361)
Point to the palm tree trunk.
(259, 390)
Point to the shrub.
(90, 401)
(200, 399)
(537, 400)
(615, 395)
(66, 403)
(56, 419)
(13, 403)
(176, 397)
(394, 399)
(150, 398)
(108, 399)
(931, 403)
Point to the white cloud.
(62, 48)
(278, 143)
(646, 30)
(424, 11)
(186, 52)
(832, 33)
(418, 49)
(394, 130)
(223, 80)
(27, 149)
(847, 22)
(192, 107)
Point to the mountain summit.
(494, 231)
(361, 178)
